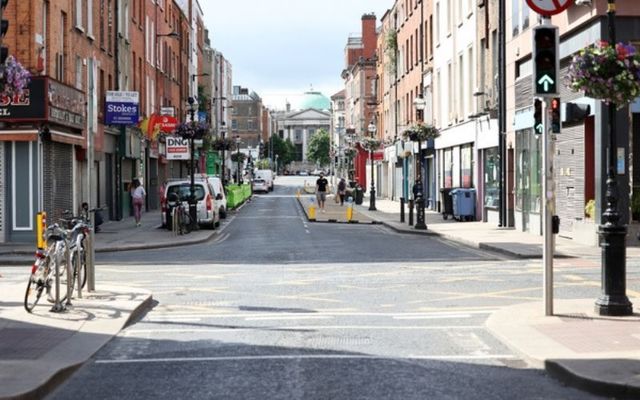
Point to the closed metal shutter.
(57, 179)
(3, 193)
(569, 177)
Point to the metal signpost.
(546, 64)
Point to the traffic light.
(538, 126)
(4, 27)
(545, 62)
(555, 115)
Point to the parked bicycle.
(64, 256)
(181, 219)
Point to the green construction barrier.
(237, 194)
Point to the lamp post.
(420, 105)
(372, 192)
(193, 209)
(238, 176)
(613, 299)
(277, 155)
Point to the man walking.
(321, 191)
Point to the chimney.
(369, 35)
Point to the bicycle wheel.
(34, 291)
(82, 269)
(185, 220)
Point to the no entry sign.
(549, 7)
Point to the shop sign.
(30, 106)
(121, 108)
(66, 105)
(177, 148)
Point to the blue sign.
(121, 108)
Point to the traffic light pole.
(548, 206)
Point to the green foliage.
(203, 99)
(263, 164)
(319, 146)
(391, 50)
(238, 157)
(284, 149)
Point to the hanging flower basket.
(607, 73)
(190, 130)
(421, 133)
(14, 78)
(222, 144)
(370, 144)
(238, 157)
(350, 153)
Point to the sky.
(280, 48)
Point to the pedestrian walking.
(137, 194)
(321, 191)
(342, 190)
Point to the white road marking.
(307, 327)
(293, 317)
(303, 357)
(395, 315)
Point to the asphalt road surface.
(279, 308)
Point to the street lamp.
(238, 176)
(223, 125)
(193, 210)
(420, 105)
(372, 192)
(613, 299)
(277, 155)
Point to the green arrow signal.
(545, 81)
(539, 128)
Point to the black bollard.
(411, 212)
(402, 210)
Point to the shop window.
(492, 178)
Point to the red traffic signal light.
(555, 115)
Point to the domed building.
(311, 115)
(315, 100)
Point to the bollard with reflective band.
(312, 213)
(349, 213)
(41, 226)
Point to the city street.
(278, 308)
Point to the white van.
(220, 197)
(267, 176)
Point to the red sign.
(549, 7)
(167, 123)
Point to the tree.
(319, 146)
(284, 149)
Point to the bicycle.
(181, 220)
(64, 246)
(44, 269)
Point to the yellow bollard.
(312, 213)
(349, 213)
(41, 225)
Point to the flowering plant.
(222, 144)
(350, 152)
(14, 78)
(238, 157)
(190, 130)
(605, 72)
(421, 133)
(370, 144)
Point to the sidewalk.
(117, 236)
(38, 351)
(578, 347)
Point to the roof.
(315, 100)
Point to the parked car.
(267, 176)
(219, 196)
(303, 173)
(205, 197)
(260, 185)
(318, 171)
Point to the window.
(79, 14)
(437, 32)
(449, 17)
(79, 71)
(110, 27)
(461, 102)
(298, 135)
(466, 165)
(460, 12)
(90, 18)
(448, 168)
(234, 124)
(492, 177)
(251, 125)
(515, 17)
(450, 92)
(411, 52)
(470, 81)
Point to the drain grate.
(572, 317)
